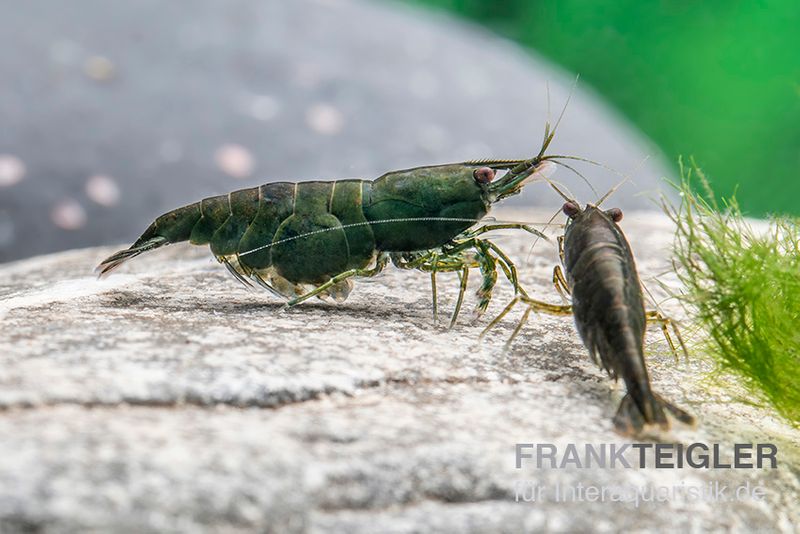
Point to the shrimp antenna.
(559, 191)
(565, 197)
(611, 192)
(565, 188)
(582, 177)
(548, 133)
(587, 160)
(626, 178)
(547, 120)
(535, 241)
(566, 104)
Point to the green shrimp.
(299, 240)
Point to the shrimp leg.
(455, 258)
(655, 316)
(652, 316)
(434, 293)
(505, 226)
(380, 263)
(533, 305)
(488, 265)
(561, 283)
(463, 276)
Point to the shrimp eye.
(615, 214)
(483, 175)
(571, 209)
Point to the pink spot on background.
(12, 170)
(68, 214)
(234, 160)
(325, 119)
(103, 190)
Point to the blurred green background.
(717, 79)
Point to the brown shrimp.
(609, 311)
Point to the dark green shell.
(311, 231)
(310, 244)
(428, 195)
(275, 203)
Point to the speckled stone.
(168, 398)
(173, 101)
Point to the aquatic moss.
(742, 286)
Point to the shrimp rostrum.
(609, 311)
(306, 239)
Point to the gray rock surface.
(113, 113)
(168, 398)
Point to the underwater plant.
(742, 286)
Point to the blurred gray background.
(112, 113)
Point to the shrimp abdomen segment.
(275, 204)
(214, 211)
(243, 206)
(347, 205)
(311, 245)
